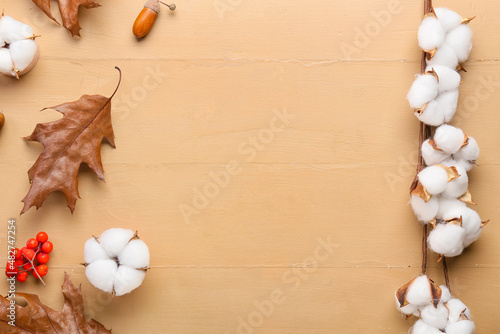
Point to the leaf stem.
(119, 82)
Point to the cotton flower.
(460, 41)
(425, 211)
(446, 37)
(449, 139)
(445, 294)
(449, 79)
(446, 204)
(19, 51)
(457, 310)
(435, 316)
(447, 18)
(423, 90)
(117, 261)
(420, 327)
(419, 292)
(471, 222)
(447, 239)
(434, 179)
(469, 151)
(461, 327)
(431, 33)
(431, 155)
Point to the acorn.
(144, 22)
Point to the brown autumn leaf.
(69, 12)
(68, 142)
(38, 318)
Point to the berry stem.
(33, 266)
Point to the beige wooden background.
(337, 173)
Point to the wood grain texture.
(311, 232)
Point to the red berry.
(42, 258)
(10, 273)
(42, 270)
(10, 270)
(17, 253)
(42, 237)
(21, 277)
(10, 266)
(28, 254)
(47, 247)
(27, 266)
(31, 243)
(19, 262)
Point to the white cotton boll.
(456, 308)
(449, 138)
(127, 279)
(423, 90)
(408, 309)
(447, 239)
(114, 240)
(449, 79)
(431, 34)
(93, 251)
(448, 18)
(425, 211)
(6, 62)
(445, 56)
(460, 41)
(457, 187)
(461, 327)
(471, 222)
(420, 327)
(419, 293)
(101, 273)
(448, 102)
(447, 204)
(435, 316)
(17, 40)
(135, 254)
(434, 179)
(432, 115)
(445, 294)
(467, 165)
(23, 52)
(432, 156)
(13, 30)
(469, 152)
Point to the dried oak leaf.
(38, 318)
(68, 10)
(68, 142)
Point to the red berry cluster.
(32, 258)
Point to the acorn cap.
(153, 5)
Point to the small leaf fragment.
(454, 221)
(402, 291)
(421, 192)
(467, 198)
(436, 293)
(451, 171)
(466, 20)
